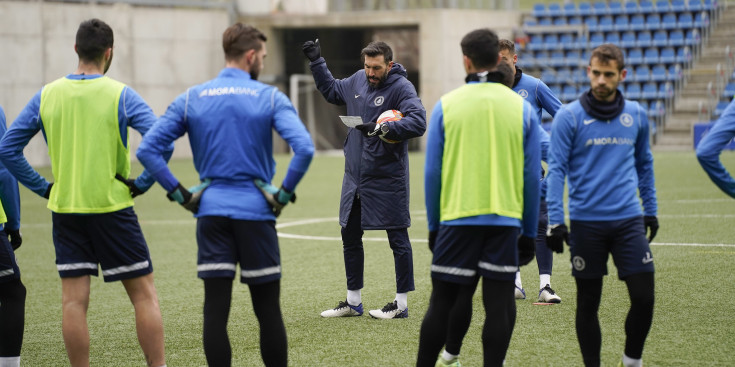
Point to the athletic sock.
(10, 361)
(354, 297)
(448, 356)
(544, 279)
(632, 362)
(518, 280)
(402, 300)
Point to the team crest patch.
(578, 263)
(379, 100)
(626, 120)
(523, 93)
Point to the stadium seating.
(667, 55)
(570, 9)
(729, 91)
(622, 23)
(633, 91)
(660, 38)
(653, 21)
(649, 90)
(651, 55)
(659, 73)
(676, 38)
(554, 10)
(615, 7)
(685, 21)
(678, 6)
(630, 7)
(662, 6)
(628, 39)
(719, 108)
(645, 39)
(637, 22)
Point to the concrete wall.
(159, 52)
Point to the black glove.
(182, 196)
(130, 183)
(368, 128)
(312, 50)
(276, 197)
(556, 236)
(651, 223)
(48, 191)
(432, 239)
(526, 250)
(15, 238)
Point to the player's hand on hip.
(312, 50)
(130, 183)
(276, 197)
(526, 249)
(556, 235)
(47, 193)
(15, 238)
(651, 223)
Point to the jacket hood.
(394, 74)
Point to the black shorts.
(590, 242)
(225, 242)
(8, 265)
(112, 240)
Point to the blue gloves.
(277, 198)
(189, 199)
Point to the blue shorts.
(112, 240)
(225, 242)
(461, 253)
(591, 241)
(8, 265)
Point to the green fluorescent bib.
(3, 217)
(84, 144)
(482, 166)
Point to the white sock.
(630, 362)
(448, 356)
(354, 297)
(10, 361)
(544, 279)
(402, 299)
(518, 280)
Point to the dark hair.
(376, 48)
(608, 52)
(508, 76)
(507, 45)
(240, 38)
(481, 47)
(94, 37)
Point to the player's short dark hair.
(507, 45)
(240, 38)
(376, 48)
(507, 72)
(608, 52)
(481, 47)
(94, 37)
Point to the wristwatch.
(384, 128)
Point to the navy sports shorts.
(8, 265)
(592, 241)
(112, 240)
(225, 242)
(463, 252)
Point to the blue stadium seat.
(606, 23)
(685, 21)
(720, 108)
(709, 5)
(635, 56)
(674, 73)
(660, 38)
(570, 9)
(579, 75)
(563, 74)
(628, 39)
(596, 39)
(633, 91)
(701, 20)
(630, 7)
(539, 10)
(646, 6)
(678, 6)
(651, 55)
(551, 41)
(667, 55)
(548, 76)
(584, 8)
(644, 105)
(694, 5)
(637, 22)
(573, 58)
(612, 37)
(662, 6)
(615, 7)
(653, 21)
(649, 90)
(575, 20)
(566, 41)
(729, 91)
(669, 21)
(645, 39)
(591, 22)
(656, 109)
(658, 73)
(536, 42)
(684, 55)
(665, 90)
(622, 23)
(692, 38)
(569, 92)
(556, 58)
(642, 73)
(599, 7)
(554, 10)
(529, 22)
(545, 21)
(560, 21)
(676, 38)
(555, 89)
(542, 58)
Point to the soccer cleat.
(441, 362)
(344, 309)
(547, 295)
(520, 293)
(390, 311)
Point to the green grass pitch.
(695, 273)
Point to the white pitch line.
(693, 244)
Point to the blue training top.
(9, 195)
(607, 163)
(709, 149)
(132, 112)
(230, 122)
